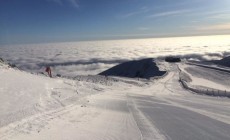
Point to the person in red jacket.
(48, 70)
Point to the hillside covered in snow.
(113, 107)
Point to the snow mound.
(145, 68)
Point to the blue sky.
(35, 21)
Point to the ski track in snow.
(118, 109)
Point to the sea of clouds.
(92, 57)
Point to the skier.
(48, 70)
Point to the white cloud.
(220, 16)
(139, 11)
(222, 26)
(92, 57)
(57, 1)
(143, 28)
(169, 13)
(195, 21)
(74, 3)
(212, 15)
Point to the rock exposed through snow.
(145, 68)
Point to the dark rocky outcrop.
(145, 68)
(172, 59)
(223, 62)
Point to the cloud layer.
(93, 57)
(223, 26)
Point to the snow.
(99, 107)
(207, 77)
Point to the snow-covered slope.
(205, 80)
(24, 94)
(101, 108)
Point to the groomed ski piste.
(99, 107)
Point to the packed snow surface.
(205, 77)
(101, 108)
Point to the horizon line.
(127, 37)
